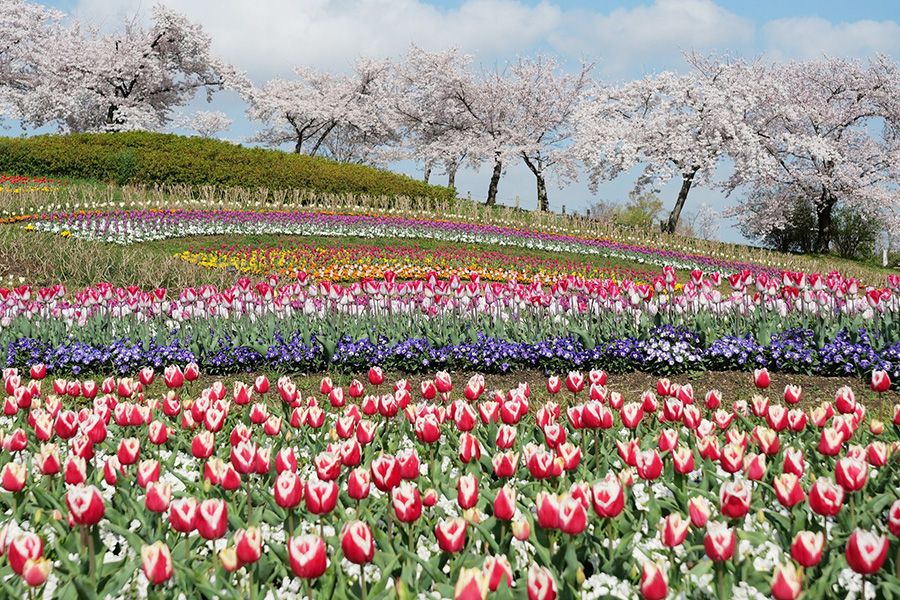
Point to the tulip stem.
(291, 521)
(249, 501)
(187, 550)
(720, 567)
(90, 540)
(309, 589)
(596, 452)
(362, 582)
(250, 577)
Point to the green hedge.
(149, 158)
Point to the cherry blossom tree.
(434, 126)
(541, 127)
(130, 79)
(322, 113)
(671, 125)
(206, 123)
(826, 130)
(24, 31)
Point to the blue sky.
(627, 38)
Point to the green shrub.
(150, 158)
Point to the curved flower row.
(15, 184)
(127, 227)
(447, 490)
(349, 263)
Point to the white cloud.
(651, 36)
(809, 37)
(268, 37)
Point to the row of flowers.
(442, 489)
(352, 263)
(127, 227)
(15, 184)
(665, 351)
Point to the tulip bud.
(156, 561)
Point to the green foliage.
(641, 212)
(155, 158)
(855, 233)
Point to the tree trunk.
(427, 173)
(451, 177)
(686, 181)
(826, 222)
(537, 168)
(495, 181)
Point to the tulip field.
(167, 443)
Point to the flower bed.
(127, 227)
(16, 184)
(351, 263)
(444, 490)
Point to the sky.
(627, 39)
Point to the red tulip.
(183, 514)
(719, 541)
(35, 572)
(407, 502)
(547, 506)
(506, 437)
(807, 548)
(38, 371)
(328, 466)
(826, 498)
(261, 384)
(48, 459)
(451, 534)
(147, 471)
(713, 399)
(173, 377)
(540, 583)
(409, 464)
(467, 491)
(608, 497)
(572, 517)
(357, 542)
(788, 490)
(553, 384)
(648, 464)
(211, 519)
(792, 393)
(157, 562)
(443, 382)
(787, 582)
(385, 472)
(248, 544)
(654, 582)
(428, 429)
(85, 504)
(158, 497)
(469, 448)
(288, 490)
(632, 414)
(735, 497)
(793, 461)
(308, 557)
(471, 585)
(850, 473)
(845, 400)
(894, 518)
(683, 460)
(428, 390)
(474, 388)
(25, 547)
(674, 530)
(376, 375)
(191, 372)
(505, 464)
(866, 551)
(881, 381)
(699, 511)
(755, 466)
(505, 504)
(321, 496)
(12, 477)
(129, 451)
(358, 483)
(732, 458)
(495, 568)
(761, 378)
